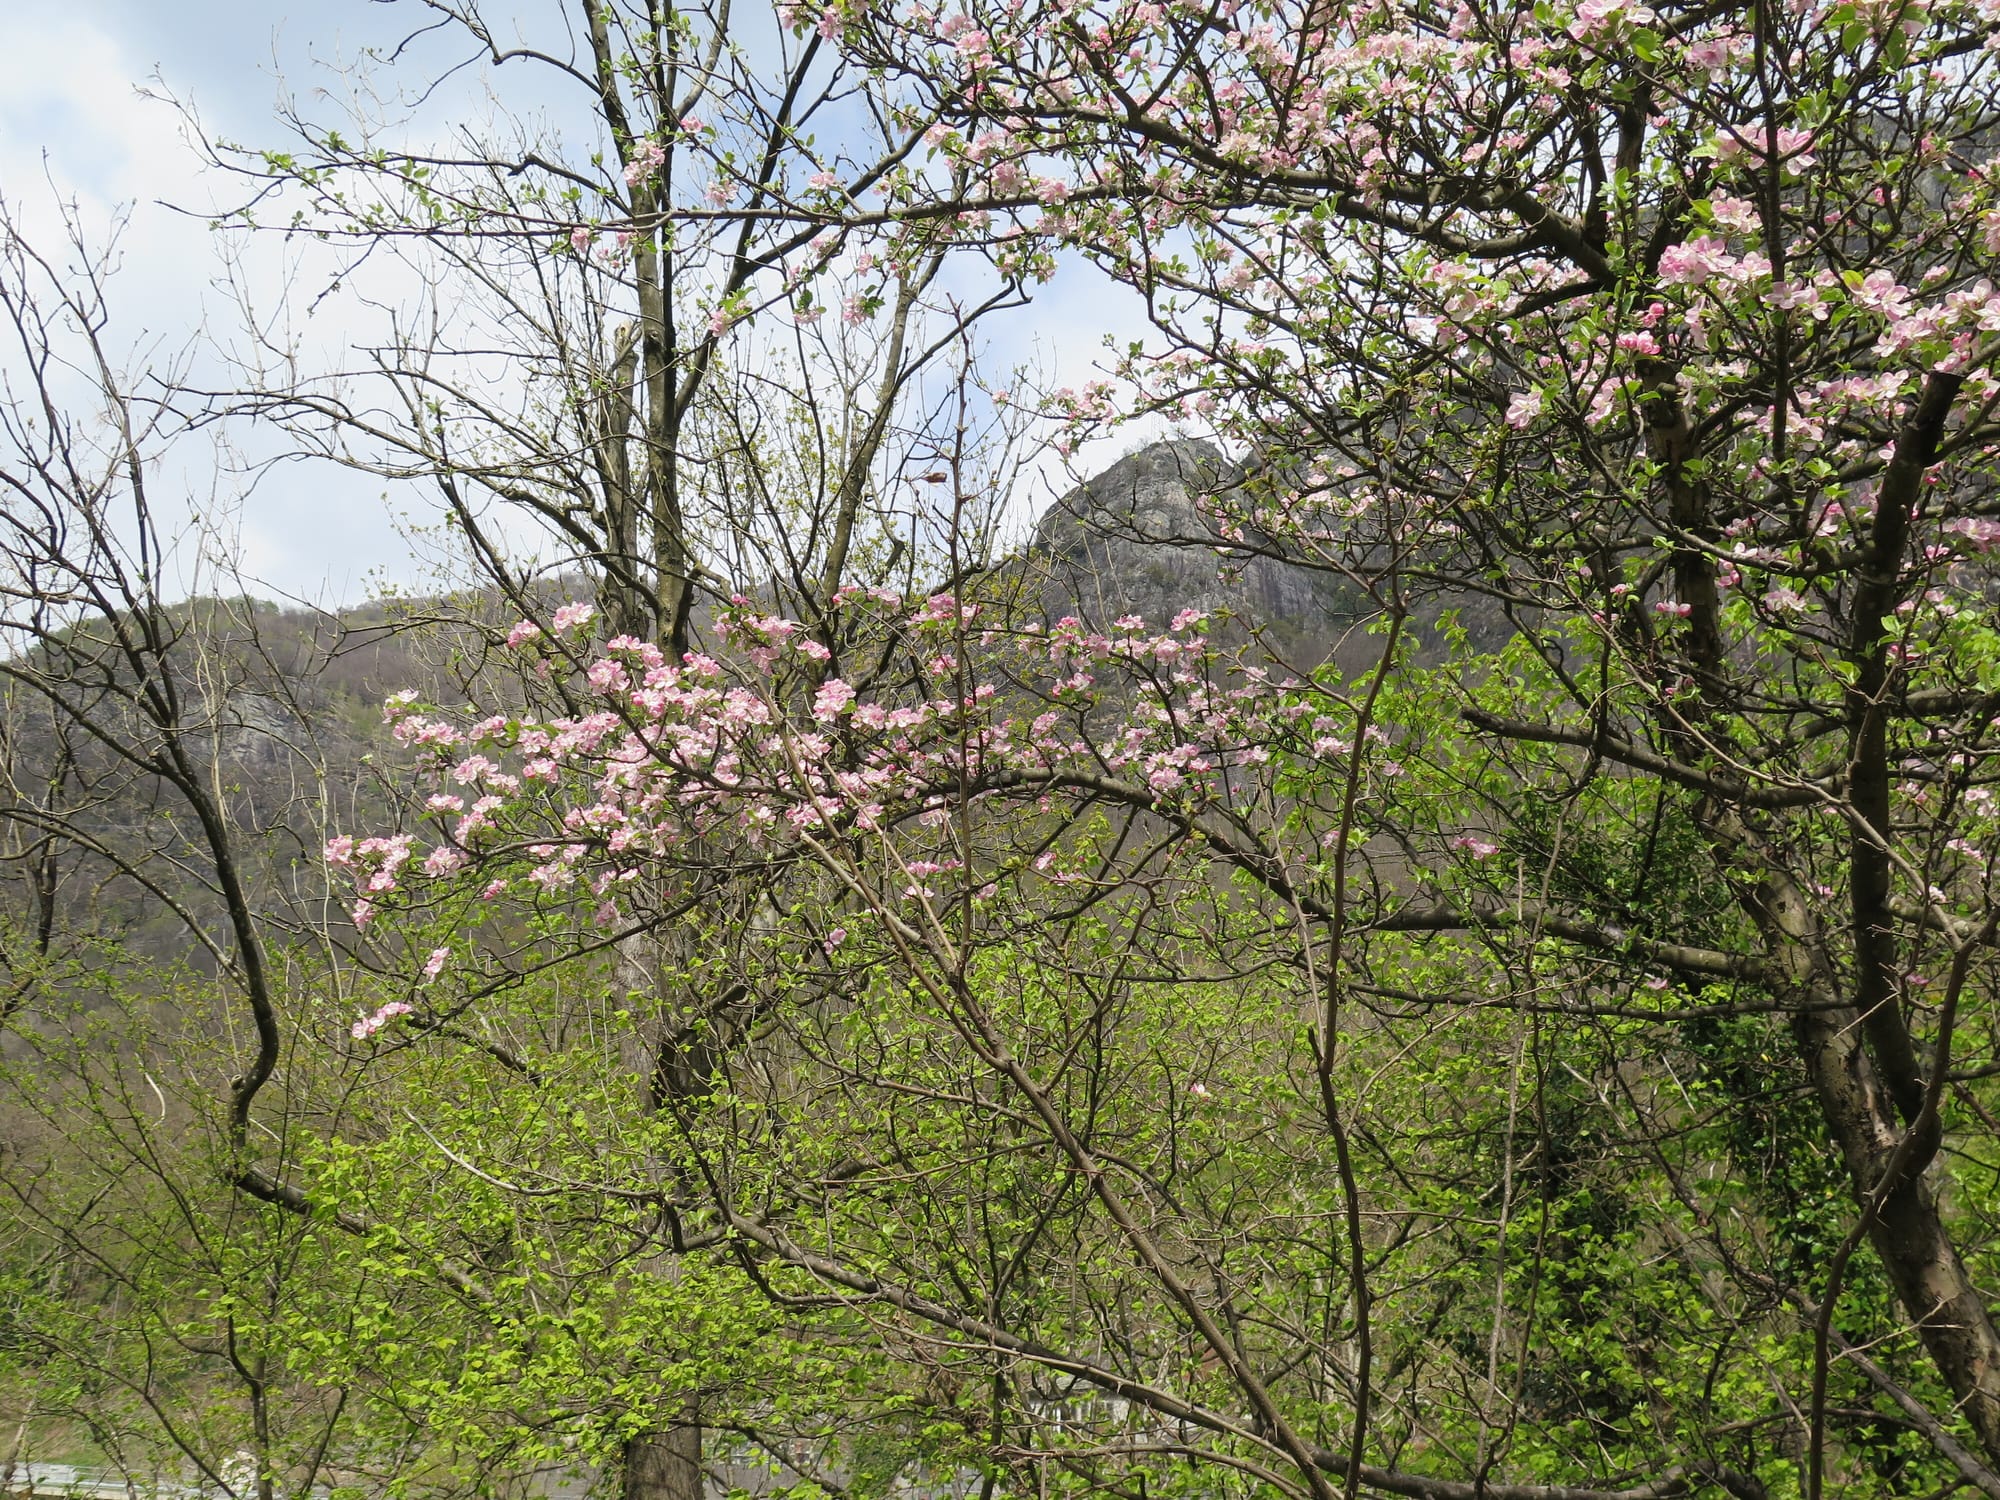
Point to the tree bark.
(1908, 1235)
(664, 1464)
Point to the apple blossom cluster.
(1346, 118)
(369, 1024)
(762, 747)
(647, 158)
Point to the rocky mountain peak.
(1135, 540)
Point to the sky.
(88, 116)
(77, 126)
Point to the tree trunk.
(1909, 1236)
(665, 1464)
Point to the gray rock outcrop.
(1136, 540)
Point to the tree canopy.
(822, 989)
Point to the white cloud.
(80, 135)
(72, 115)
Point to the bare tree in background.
(685, 353)
(123, 716)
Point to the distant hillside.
(286, 703)
(281, 709)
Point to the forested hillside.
(287, 703)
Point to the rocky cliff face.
(1135, 540)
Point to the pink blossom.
(647, 158)
(427, 732)
(472, 768)
(1639, 343)
(1880, 292)
(1710, 54)
(434, 965)
(1795, 148)
(1523, 409)
(1979, 533)
(1694, 262)
(1803, 296)
(368, 1025)
(1737, 214)
(571, 616)
(945, 608)
(388, 853)
(1594, 17)
(833, 697)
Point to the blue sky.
(76, 123)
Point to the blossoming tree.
(1671, 330)
(650, 338)
(1345, 1084)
